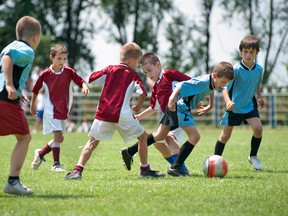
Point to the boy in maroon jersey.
(114, 111)
(57, 83)
(164, 82)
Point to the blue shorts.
(184, 115)
(40, 114)
(235, 119)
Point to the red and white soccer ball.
(215, 166)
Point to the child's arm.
(32, 104)
(147, 112)
(7, 67)
(141, 99)
(229, 103)
(201, 109)
(172, 99)
(259, 98)
(85, 89)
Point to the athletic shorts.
(102, 130)
(40, 114)
(169, 118)
(235, 119)
(50, 125)
(179, 135)
(12, 119)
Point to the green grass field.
(108, 189)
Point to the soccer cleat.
(152, 174)
(37, 160)
(176, 172)
(127, 159)
(77, 175)
(17, 188)
(57, 167)
(254, 160)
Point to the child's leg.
(87, 151)
(187, 147)
(256, 126)
(19, 154)
(222, 140)
(58, 139)
(143, 149)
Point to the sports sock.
(255, 143)
(79, 168)
(45, 150)
(170, 159)
(144, 168)
(183, 167)
(219, 148)
(134, 148)
(184, 152)
(12, 180)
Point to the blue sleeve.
(191, 87)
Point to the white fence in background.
(275, 112)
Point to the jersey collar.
(160, 75)
(246, 67)
(55, 72)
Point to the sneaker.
(254, 160)
(37, 160)
(175, 172)
(152, 174)
(57, 167)
(77, 175)
(17, 188)
(127, 159)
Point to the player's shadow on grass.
(275, 171)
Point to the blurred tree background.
(73, 22)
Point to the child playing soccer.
(114, 111)
(164, 82)
(57, 83)
(241, 101)
(189, 94)
(15, 65)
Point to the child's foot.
(152, 174)
(17, 188)
(127, 159)
(254, 160)
(37, 160)
(57, 167)
(77, 175)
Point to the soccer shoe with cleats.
(77, 175)
(254, 160)
(37, 160)
(17, 188)
(152, 174)
(57, 167)
(177, 172)
(127, 159)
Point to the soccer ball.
(215, 166)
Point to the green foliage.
(108, 189)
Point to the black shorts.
(236, 119)
(170, 118)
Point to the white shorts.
(50, 125)
(179, 135)
(102, 130)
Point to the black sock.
(219, 148)
(184, 152)
(255, 143)
(13, 179)
(134, 148)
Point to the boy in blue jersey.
(189, 94)
(15, 65)
(241, 101)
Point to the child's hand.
(172, 105)
(203, 109)
(85, 89)
(24, 98)
(12, 92)
(261, 102)
(32, 110)
(230, 106)
(135, 108)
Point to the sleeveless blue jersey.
(22, 56)
(243, 88)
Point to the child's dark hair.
(224, 69)
(250, 42)
(150, 58)
(57, 49)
